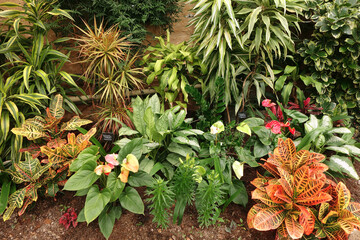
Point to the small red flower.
(69, 218)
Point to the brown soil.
(42, 221)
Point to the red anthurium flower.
(292, 130)
(274, 126)
(267, 103)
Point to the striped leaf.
(74, 123)
(252, 213)
(44, 76)
(33, 128)
(269, 218)
(56, 107)
(61, 12)
(293, 227)
(344, 196)
(26, 75)
(68, 78)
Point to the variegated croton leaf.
(74, 123)
(30, 171)
(32, 128)
(56, 107)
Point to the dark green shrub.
(130, 15)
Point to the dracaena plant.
(299, 183)
(228, 32)
(29, 172)
(33, 61)
(174, 66)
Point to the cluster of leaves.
(130, 15)
(51, 144)
(299, 200)
(174, 66)
(239, 41)
(208, 113)
(332, 51)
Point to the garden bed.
(41, 221)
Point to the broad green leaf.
(345, 165)
(83, 178)
(140, 179)
(125, 130)
(296, 115)
(131, 200)
(88, 154)
(95, 202)
(115, 186)
(244, 128)
(106, 222)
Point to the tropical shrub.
(131, 15)
(174, 66)
(31, 56)
(208, 113)
(118, 174)
(51, 144)
(287, 201)
(239, 41)
(332, 51)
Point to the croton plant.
(49, 156)
(299, 199)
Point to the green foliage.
(331, 53)
(174, 66)
(209, 197)
(34, 63)
(208, 113)
(130, 15)
(161, 199)
(228, 32)
(321, 136)
(184, 186)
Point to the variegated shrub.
(51, 144)
(298, 198)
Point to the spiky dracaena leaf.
(162, 198)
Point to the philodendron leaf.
(131, 200)
(83, 178)
(343, 164)
(244, 128)
(95, 202)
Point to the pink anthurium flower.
(131, 163)
(112, 160)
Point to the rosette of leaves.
(228, 32)
(339, 217)
(285, 201)
(333, 50)
(29, 172)
(174, 66)
(321, 136)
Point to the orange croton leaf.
(293, 227)
(344, 196)
(263, 197)
(269, 218)
(354, 208)
(253, 211)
